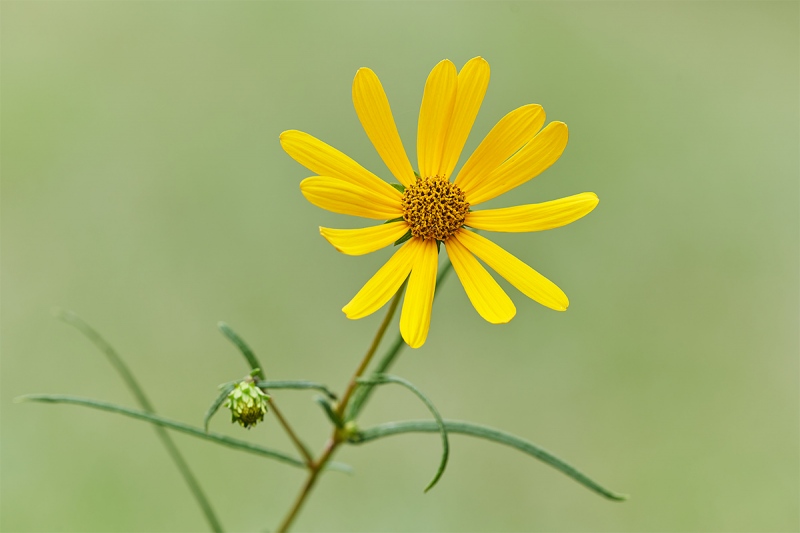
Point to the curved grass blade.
(177, 426)
(488, 433)
(127, 376)
(248, 354)
(216, 405)
(381, 379)
(363, 393)
(296, 384)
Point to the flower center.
(434, 208)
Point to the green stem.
(290, 432)
(338, 437)
(133, 385)
(313, 475)
(258, 371)
(363, 393)
(376, 341)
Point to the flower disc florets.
(247, 403)
(434, 208)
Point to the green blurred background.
(144, 187)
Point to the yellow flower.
(434, 208)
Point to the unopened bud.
(247, 403)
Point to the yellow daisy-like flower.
(432, 207)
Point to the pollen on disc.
(434, 208)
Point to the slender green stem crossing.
(339, 434)
(141, 398)
(363, 393)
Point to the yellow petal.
(488, 298)
(375, 115)
(385, 283)
(342, 197)
(364, 240)
(529, 162)
(527, 280)
(534, 217)
(472, 83)
(415, 319)
(435, 114)
(509, 135)
(325, 160)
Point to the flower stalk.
(337, 438)
(304, 451)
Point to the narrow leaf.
(216, 405)
(399, 186)
(296, 384)
(177, 426)
(381, 379)
(243, 347)
(329, 411)
(488, 433)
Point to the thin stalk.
(133, 385)
(337, 437)
(388, 358)
(292, 435)
(258, 371)
(368, 357)
(313, 475)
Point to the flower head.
(437, 206)
(248, 404)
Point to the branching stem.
(315, 467)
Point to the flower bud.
(247, 403)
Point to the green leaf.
(296, 384)
(398, 219)
(381, 379)
(416, 174)
(136, 389)
(243, 347)
(399, 186)
(330, 411)
(175, 425)
(215, 406)
(488, 433)
(403, 239)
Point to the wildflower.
(247, 403)
(430, 208)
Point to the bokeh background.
(144, 187)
